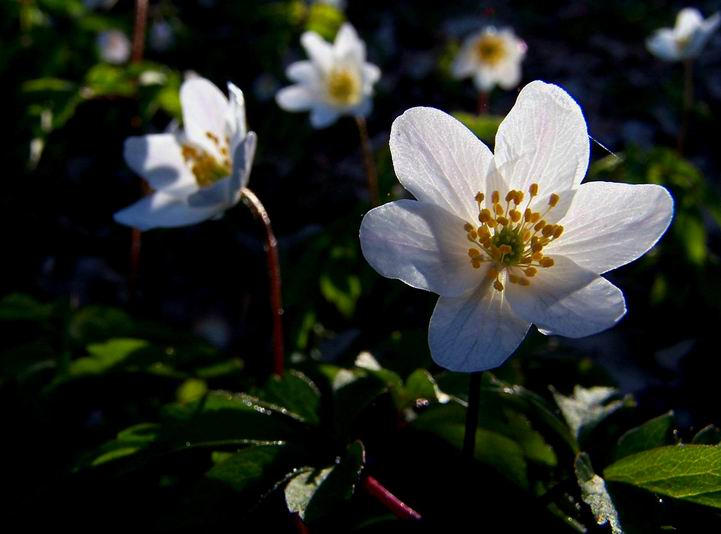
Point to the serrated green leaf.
(687, 472)
(259, 467)
(484, 126)
(295, 392)
(708, 435)
(595, 494)
(653, 433)
(314, 493)
(587, 407)
(105, 356)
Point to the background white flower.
(114, 46)
(196, 173)
(686, 39)
(509, 239)
(492, 57)
(336, 80)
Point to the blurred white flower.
(492, 57)
(336, 81)
(114, 46)
(161, 36)
(686, 39)
(197, 172)
(509, 239)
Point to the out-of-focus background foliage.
(81, 358)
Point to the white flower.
(509, 239)
(493, 57)
(196, 173)
(686, 39)
(114, 46)
(336, 81)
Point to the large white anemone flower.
(492, 57)
(686, 39)
(336, 81)
(509, 239)
(199, 172)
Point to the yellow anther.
(510, 196)
(526, 235)
(505, 249)
(548, 230)
(527, 214)
(485, 215)
(539, 225)
(492, 272)
(546, 262)
(515, 215)
(530, 271)
(498, 209)
(495, 197)
(492, 223)
(558, 231)
(513, 278)
(537, 256)
(537, 246)
(502, 220)
(476, 263)
(483, 233)
(536, 217)
(553, 200)
(524, 282)
(473, 234)
(533, 190)
(519, 197)
(468, 227)
(473, 252)
(479, 197)
(498, 285)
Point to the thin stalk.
(483, 102)
(369, 163)
(271, 253)
(379, 492)
(687, 103)
(474, 397)
(136, 56)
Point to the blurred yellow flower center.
(511, 240)
(344, 87)
(207, 168)
(490, 49)
(683, 41)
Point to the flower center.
(344, 87)
(206, 167)
(683, 41)
(490, 49)
(511, 240)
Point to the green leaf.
(687, 472)
(20, 307)
(708, 435)
(586, 408)
(653, 433)
(422, 388)
(497, 451)
(324, 19)
(105, 356)
(354, 397)
(315, 493)
(595, 494)
(341, 289)
(297, 393)
(484, 126)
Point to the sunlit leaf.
(587, 407)
(295, 392)
(653, 433)
(595, 494)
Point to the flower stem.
(483, 102)
(379, 492)
(370, 166)
(687, 103)
(271, 252)
(474, 397)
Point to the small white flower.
(196, 173)
(492, 57)
(114, 46)
(509, 239)
(686, 39)
(336, 81)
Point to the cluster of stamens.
(512, 238)
(344, 86)
(206, 167)
(490, 49)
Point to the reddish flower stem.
(271, 251)
(687, 104)
(483, 102)
(368, 162)
(474, 397)
(379, 492)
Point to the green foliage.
(595, 494)
(687, 472)
(586, 408)
(656, 432)
(484, 126)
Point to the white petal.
(662, 44)
(439, 160)
(509, 75)
(688, 21)
(237, 127)
(537, 302)
(242, 164)
(611, 224)
(543, 140)
(474, 332)
(701, 36)
(295, 98)
(322, 116)
(158, 159)
(319, 51)
(214, 195)
(348, 46)
(371, 74)
(303, 72)
(422, 245)
(160, 210)
(485, 78)
(587, 311)
(465, 63)
(205, 109)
